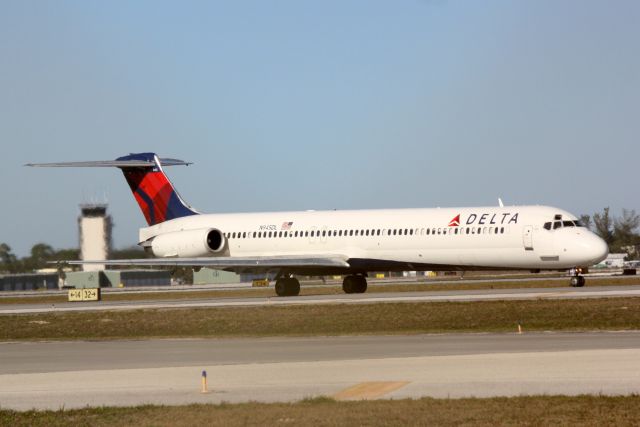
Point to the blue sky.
(289, 105)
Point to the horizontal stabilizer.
(111, 164)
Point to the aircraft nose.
(595, 248)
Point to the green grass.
(514, 411)
(325, 290)
(327, 319)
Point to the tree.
(129, 253)
(603, 225)
(9, 260)
(586, 220)
(624, 229)
(66, 254)
(40, 254)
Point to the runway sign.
(260, 283)
(76, 295)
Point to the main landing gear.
(354, 284)
(287, 287)
(577, 279)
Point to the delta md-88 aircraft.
(350, 243)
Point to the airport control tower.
(95, 234)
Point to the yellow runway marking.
(369, 390)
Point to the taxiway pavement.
(51, 375)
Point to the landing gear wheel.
(578, 281)
(281, 289)
(287, 287)
(354, 285)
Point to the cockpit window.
(560, 224)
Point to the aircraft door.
(527, 237)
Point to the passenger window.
(501, 230)
(456, 231)
(496, 230)
(467, 230)
(439, 230)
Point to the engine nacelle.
(188, 243)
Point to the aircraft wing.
(257, 263)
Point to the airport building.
(28, 282)
(208, 276)
(117, 278)
(612, 261)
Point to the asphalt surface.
(50, 375)
(379, 297)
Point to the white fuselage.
(511, 237)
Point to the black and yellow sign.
(92, 294)
(260, 283)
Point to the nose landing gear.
(577, 279)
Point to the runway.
(367, 298)
(75, 374)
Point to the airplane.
(351, 243)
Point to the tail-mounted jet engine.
(187, 243)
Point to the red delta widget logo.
(486, 218)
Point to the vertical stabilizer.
(156, 196)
